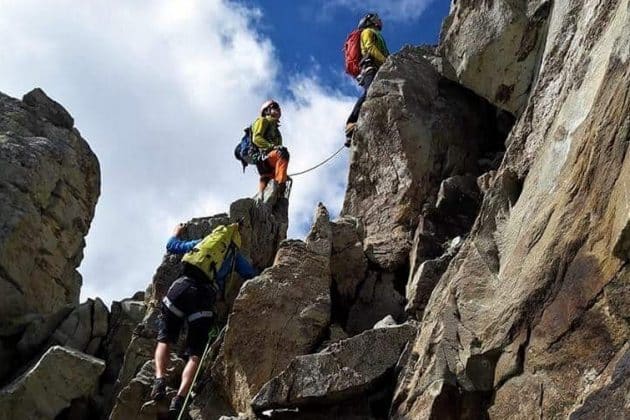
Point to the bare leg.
(187, 375)
(161, 359)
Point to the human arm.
(258, 134)
(179, 246)
(369, 46)
(244, 268)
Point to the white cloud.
(392, 10)
(161, 90)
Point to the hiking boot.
(348, 142)
(177, 403)
(270, 195)
(158, 392)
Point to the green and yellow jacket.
(373, 45)
(265, 133)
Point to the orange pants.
(277, 167)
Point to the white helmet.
(267, 104)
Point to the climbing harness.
(319, 164)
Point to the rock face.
(532, 315)
(280, 314)
(415, 129)
(60, 376)
(494, 47)
(342, 371)
(50, 175)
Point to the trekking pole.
(319, 164)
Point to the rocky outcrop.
(528, 317)
(281, 314)
(494, 47)
(348, 263)
(60, 376)
(344, 370)
(49, 185)
(415, 129)
(376, 299)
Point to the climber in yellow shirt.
(374, 52)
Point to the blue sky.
(161, 90)
(308, 35)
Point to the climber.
(191, 298)
(373, 54)
(267, 137)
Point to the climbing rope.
(319, 164)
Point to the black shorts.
(188, 300)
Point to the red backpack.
(352, 53)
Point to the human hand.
(177, 230)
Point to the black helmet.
(371, 19)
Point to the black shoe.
(348, 141)
(177, 403)
(158, 392)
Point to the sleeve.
(258, 130)
(369, 45)
(244, 268)
(179, 246)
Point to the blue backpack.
(246, 151)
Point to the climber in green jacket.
(374, 52)
(266, 136)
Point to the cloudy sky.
(161, 89)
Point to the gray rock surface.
(342, 371)
(278, 315)
(533, 311)
(376, 299)
(494, 48)
(348, 263)
(49, 185)
(415, 129)
(50, 385)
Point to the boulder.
(423, 280)
(281, 314)
(345, 370)
(85, 327)
(60, 376)
(377, 298)
(348, 263)
(415, 129)
(134, 401)
(539, 276)
(494, 48)
(49, 185)
(125, 317)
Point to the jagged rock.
(540, 259)
(125, 316)
(494, 47)
(459, 195)
(278, 315)
(348, 263)
(376, 299)
(415, 129)
(422, 281)
(264, 227)
(342, 371)
(60, 376)
(40, 330)
(49, 184)
(134, 402)
(86, 325)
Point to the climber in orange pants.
(266, 136)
